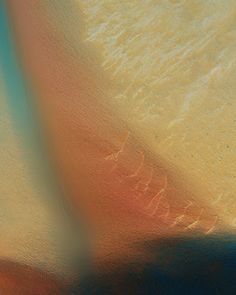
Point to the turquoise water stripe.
(17, 96)
(25, 119)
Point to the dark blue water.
(194, 266)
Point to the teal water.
(13, 79)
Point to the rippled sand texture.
(32, 220)
(136, 102)
(172, 69)
(22, 233)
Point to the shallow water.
(132, 96)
